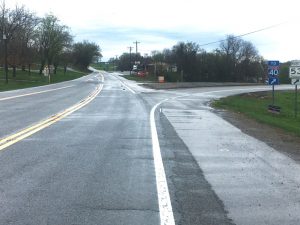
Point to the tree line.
(28, 39)
(235, 60)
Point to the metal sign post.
(296, 100)
(47, 73)
(273, 73)
(273, 95)
(294, 73)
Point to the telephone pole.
(130, 49)
(116, 60)
(136, 49)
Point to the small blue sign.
(273, 71)
(273, 81)
(273, 63)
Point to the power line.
(242, 35)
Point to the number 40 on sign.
(273, 68)
(274, 72)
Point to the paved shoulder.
(256, 184)
(194, 201)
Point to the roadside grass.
(168, 76)
(147, 78)
(24, 80)
(254, 105)
(103, 66)
(60, 76)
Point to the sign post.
(273, 73)
(294, 73)
(296, 100)
(47, 73)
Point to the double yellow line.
(12, 139)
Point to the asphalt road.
(101, 163)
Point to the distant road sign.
(294, 72)
(273, 81)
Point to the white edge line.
(247, 89)
(55, 89)
(163, 195)
(132, 91)
(34, 93)
(164, 201)
(62, 115)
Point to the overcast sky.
(157, 24)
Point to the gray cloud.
(148, 37)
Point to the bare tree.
(53, 38)
(231, 47)
(18, 26)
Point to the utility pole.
(136, 49)
(130, 49)
(116, 62)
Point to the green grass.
(103, 66)
(24, 80)
(254, 105)
(147, 78)
(69, 75)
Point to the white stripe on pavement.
(34, 93)
(164, 202)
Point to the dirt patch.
(276, 138)
(258, 95)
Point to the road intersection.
(133, 155)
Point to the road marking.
(132, 91)
(12, 139)
(164, 202)
(163, 195)
(125, 85)
(240, 89)
(34, 93)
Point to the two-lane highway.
(22, 108)
(93, 167)
(116, 153)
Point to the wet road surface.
(97, 165)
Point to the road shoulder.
(193, 199)
(276, 138)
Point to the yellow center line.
(14, 138)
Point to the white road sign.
(296, 81)
(295, 63)
(294, 72)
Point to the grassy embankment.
(24, 80)
(254, 105)
(147, 78)
(103, 66)
(169, 77)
